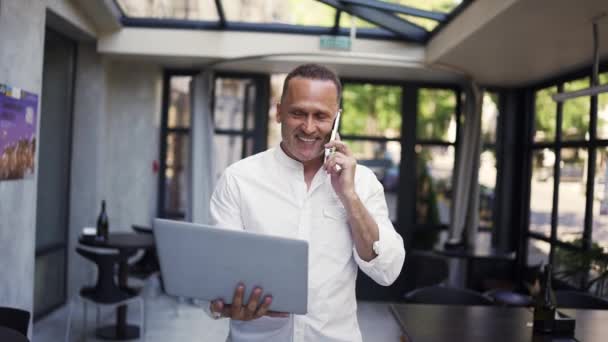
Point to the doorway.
(52, 207)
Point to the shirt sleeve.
(225, 204)
(225, 213)
(386, 266)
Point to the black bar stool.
(106, 293)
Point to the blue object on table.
(446, 295)
(508, 298)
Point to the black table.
(148, 263)
(125, 243)
(11, 335)
(423, 322)
(480, 252)
(142, 229)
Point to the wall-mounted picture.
(18, 111)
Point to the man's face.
(306, 115)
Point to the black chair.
(579, 300)
(510, 298)
(447, 296)
(422, 269)
(147, 264)
(106, 292)
(15, 319)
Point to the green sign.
(335, 43)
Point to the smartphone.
(334, 131)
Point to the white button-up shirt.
(266, 193)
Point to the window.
(371, 125)
(236, 115)
(487, 160)
(436, 130)
(308, 13)
(567, 215)
(239, 109)
(173, 202)
(373, 19)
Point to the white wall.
(22, 26)
(87, 164)
(21, 46)
(115, 141)
(132, 133)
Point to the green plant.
(585, 269)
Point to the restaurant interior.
(485, 121)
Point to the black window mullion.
(588, 225)
(525, 177)
(245, 117)
(458, 94)
(562, 144)
(178, 130)
(556, 176)
(336, 28)
(366, 138)
(435, 143)
(220, 13)
(406, 215)
(561, 244)
(591, 152)
(160, 208)
(262, 106)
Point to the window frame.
(165, 131)
(406, 199)
(593, 145)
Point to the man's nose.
(309, 125)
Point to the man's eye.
(297, 113)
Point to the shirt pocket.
(337, 241)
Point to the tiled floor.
(169, 320)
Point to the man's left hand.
(343, 176)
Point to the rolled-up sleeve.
(384, 268)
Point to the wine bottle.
(102, 223)
(544, 308)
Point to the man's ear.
(278, 115)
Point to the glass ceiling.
(409, 20)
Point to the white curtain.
(465, 201)
(202, 167)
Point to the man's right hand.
(253, 309)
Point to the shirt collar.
(293, 164)
(286, 160)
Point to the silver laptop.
(203, 262)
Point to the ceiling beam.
(220, 13)
(336, 27)
(387, 21)
(396, 8)
(105, 14)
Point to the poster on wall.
(17, 133)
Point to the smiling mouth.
(307, 140)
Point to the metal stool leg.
(69, 322)
(84, 322)
(97, 318)
(142, 319)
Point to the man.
(291, 191)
